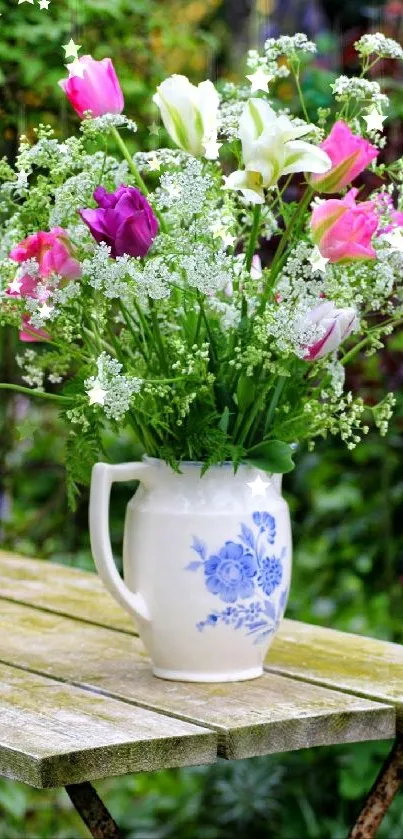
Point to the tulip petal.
(98, 91)
(209, 102)
(350, 155)
(182, 106)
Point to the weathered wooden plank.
(353, 663)
(57, 588)
(271, 714)
(360, 665)
(52, 734)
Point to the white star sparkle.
(259, 80)
(44, 4)
(97, 395)
(228, 240)
(45, 311)
(219, 231)
(211, 149)
(318, 261)
(258, 487)
(71, 49)
(75, 68)
(374, 120)
(154, 164)
(22, 179)
(218, 228)
(15, 286)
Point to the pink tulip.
(53, 253)
(256, 270)
(349, 154)
(343, 229)
(97, 91)
(336, 325)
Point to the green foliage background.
(345, 507)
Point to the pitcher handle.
(103, 476)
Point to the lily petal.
(250, 187)
(305, 157)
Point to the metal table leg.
(381, 796)
(93, 811)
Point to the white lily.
(189, 114)
(271, 148)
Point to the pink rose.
(335, 324)
(53, 253)
(97, 91)
(343, 229)
(349, 154)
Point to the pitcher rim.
(188, 463)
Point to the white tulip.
(189, 114)
(271, 148)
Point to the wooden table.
(78, 701)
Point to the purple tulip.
(124, 220)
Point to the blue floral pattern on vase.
(245, 570)
(230, 572)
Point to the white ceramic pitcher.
(206, 563)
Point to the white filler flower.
(189, 114)
(271, 148)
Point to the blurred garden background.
(346, 507)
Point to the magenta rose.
(343, 229)
(349, 154)
(124, 220)
(98, 90)
(53, 252)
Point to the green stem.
(157, 336)
(360, 346)
(214, 356)
(55, 397)
(138, 335)
(295, 71)
(198, 326)
(257, 210)
(250, 421)
(103, 345)
(274, 402)
(293, 226)
(135, 172)
(130, 162)
(252, 417)
(101, 177)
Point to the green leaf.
(245, 393)
(272, 456)
(223, 424)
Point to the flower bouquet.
(205, 297)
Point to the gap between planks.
(270, 714)
(354, 664)
(53, 734)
